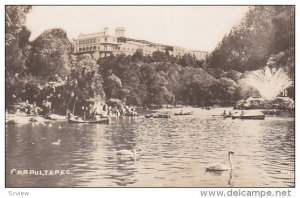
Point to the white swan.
(57, 142)
(129, 154)
(222, 167)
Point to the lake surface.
(174, 152)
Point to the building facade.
(101, 44)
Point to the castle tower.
(120, 32)
(105, 31)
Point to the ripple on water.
(174, 152)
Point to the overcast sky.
(192, 27)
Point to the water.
(174, 152)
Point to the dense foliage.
(147, 82)
(266, 36)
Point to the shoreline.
(22, 118)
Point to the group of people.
(225, 114)
(102, 110)
(88, 111)
(33, 109)
(230, 114)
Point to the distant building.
(101, 44)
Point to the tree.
(15, 18)
(16, 38)
(50, 54)
(265, 31)
(113, 85)
(227, 90)
(198, 87)
(159, 56)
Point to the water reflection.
(174, 152)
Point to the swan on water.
(57, 142)
(131, 154)
(222, 167)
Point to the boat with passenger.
(249, 115)
(157, 116)
(77, 120)
(184, 113)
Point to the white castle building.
(102, 44)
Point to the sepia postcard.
(150, 96)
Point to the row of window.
(105, 47)
(87, 48)
(93, 40)
(81, 49)
(87, 41)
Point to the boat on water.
(227, 116)
(249, 117)
(162, 116)
(149, 116)
(130, 114)
(54, 117)
(255, 115)
(158, 116)
(182, 114)
(92, 121)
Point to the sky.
(191, 27)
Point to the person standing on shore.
(28, 108)
(83, 109)
(34, 109)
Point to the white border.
(127, 192)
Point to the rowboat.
(162, 116)
(97, 121)
(149, 116)
(182, 114)
(227, 116)
(130, 114)
(158, 116)
(250, 115)
(54, 117)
